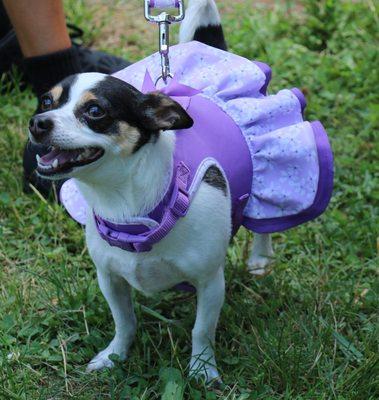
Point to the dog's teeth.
(38, 158)
(55, 163)
(44, 166)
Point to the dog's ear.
(160, 112)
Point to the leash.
(164, 20)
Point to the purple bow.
(177, 91)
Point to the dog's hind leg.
(261, 255)
(117, 292)
(210, 298)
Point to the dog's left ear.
(160, 112)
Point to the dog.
(118, 144)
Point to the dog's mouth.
(62, 161)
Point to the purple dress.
(292, 164)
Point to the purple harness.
(196, 149)
(279, 168)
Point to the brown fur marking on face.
(127, 137)
(85, 98)
(56, 93)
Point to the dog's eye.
(95, 112)
(46, 103)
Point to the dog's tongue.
(61, 155)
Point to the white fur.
(200, 13)
(132, 194)
(120, 186)
(194, 251)
(261, 255)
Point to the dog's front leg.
(117, 292)
(210, 298)
(261, 254)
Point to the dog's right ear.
(160, 112)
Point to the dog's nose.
(40, 126)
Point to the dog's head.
(90, 117)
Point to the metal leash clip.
(164, 20)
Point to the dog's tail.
(202, 23)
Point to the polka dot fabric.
(292, 161)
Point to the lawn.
(309, 330)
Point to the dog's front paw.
(102, 359)
(203, 371)
(258, 265)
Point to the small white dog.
(110, 137)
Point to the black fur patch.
(121, 103)
(64, 97)
(212, 35)
(124, 103)
(160, 111)
(214, 178)
(66, 86)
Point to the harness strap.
(176, 208)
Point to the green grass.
(307, 331)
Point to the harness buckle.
(141, 247)
(180, 203)
(113, 234)
(132, 247)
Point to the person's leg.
(45, 43)
(42, 35)
(40, 26)
(5, 24)
(50, 56)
